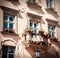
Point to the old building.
(20, 18)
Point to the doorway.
(8, 51)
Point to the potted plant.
(41, 31)
(48, 35)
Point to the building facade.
(22, 20)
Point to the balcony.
(33, 5)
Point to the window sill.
(9, 33)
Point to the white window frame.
(33, 27)
(51, 31)
(8, 22)
(50, 4)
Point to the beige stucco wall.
(57, 4)
(23, 20)
(8, 4)
(1, 21)
(20, 23)
(37, 12)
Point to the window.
(49, 3)
(8, 23)
(8, 51)
(31, 25)
(34, 27)
(32, 1)
(51, 30)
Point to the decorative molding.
(11, 35)
(52, 11)
(33, 5)
(52, 22)
(9, 11)
(15, 2)
(34, 17)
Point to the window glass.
(5, 25)
(53, 34)
(11, 56)
(31, 0)
(8, 52)
(35, 25)
(48, 27)
(51, 30)
(31, 24)
(10, 18)
(35, 31)
(49, 3)
(5, 17)
(10, 25)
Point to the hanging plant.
(28, 30)
(41, 31)
(48, 35)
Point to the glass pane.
(48, 28)
(53, 34)
(35, 25)
(4, 55)
(5, 25)
(10, 18)
(31, 24)
(49, 3)
(37, 54)
(35, 31)
(53, 28)
(11, 50)
(11, 56)
(4, 51)
(5, 17)
(10, 25)
(30, 0)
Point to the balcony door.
(8, 51)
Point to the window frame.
(32, 1)
(49, 3)
(52, 30)
(7, 48)
(8, 21)
(34, 28)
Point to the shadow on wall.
(15, 2)
(36, 10)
